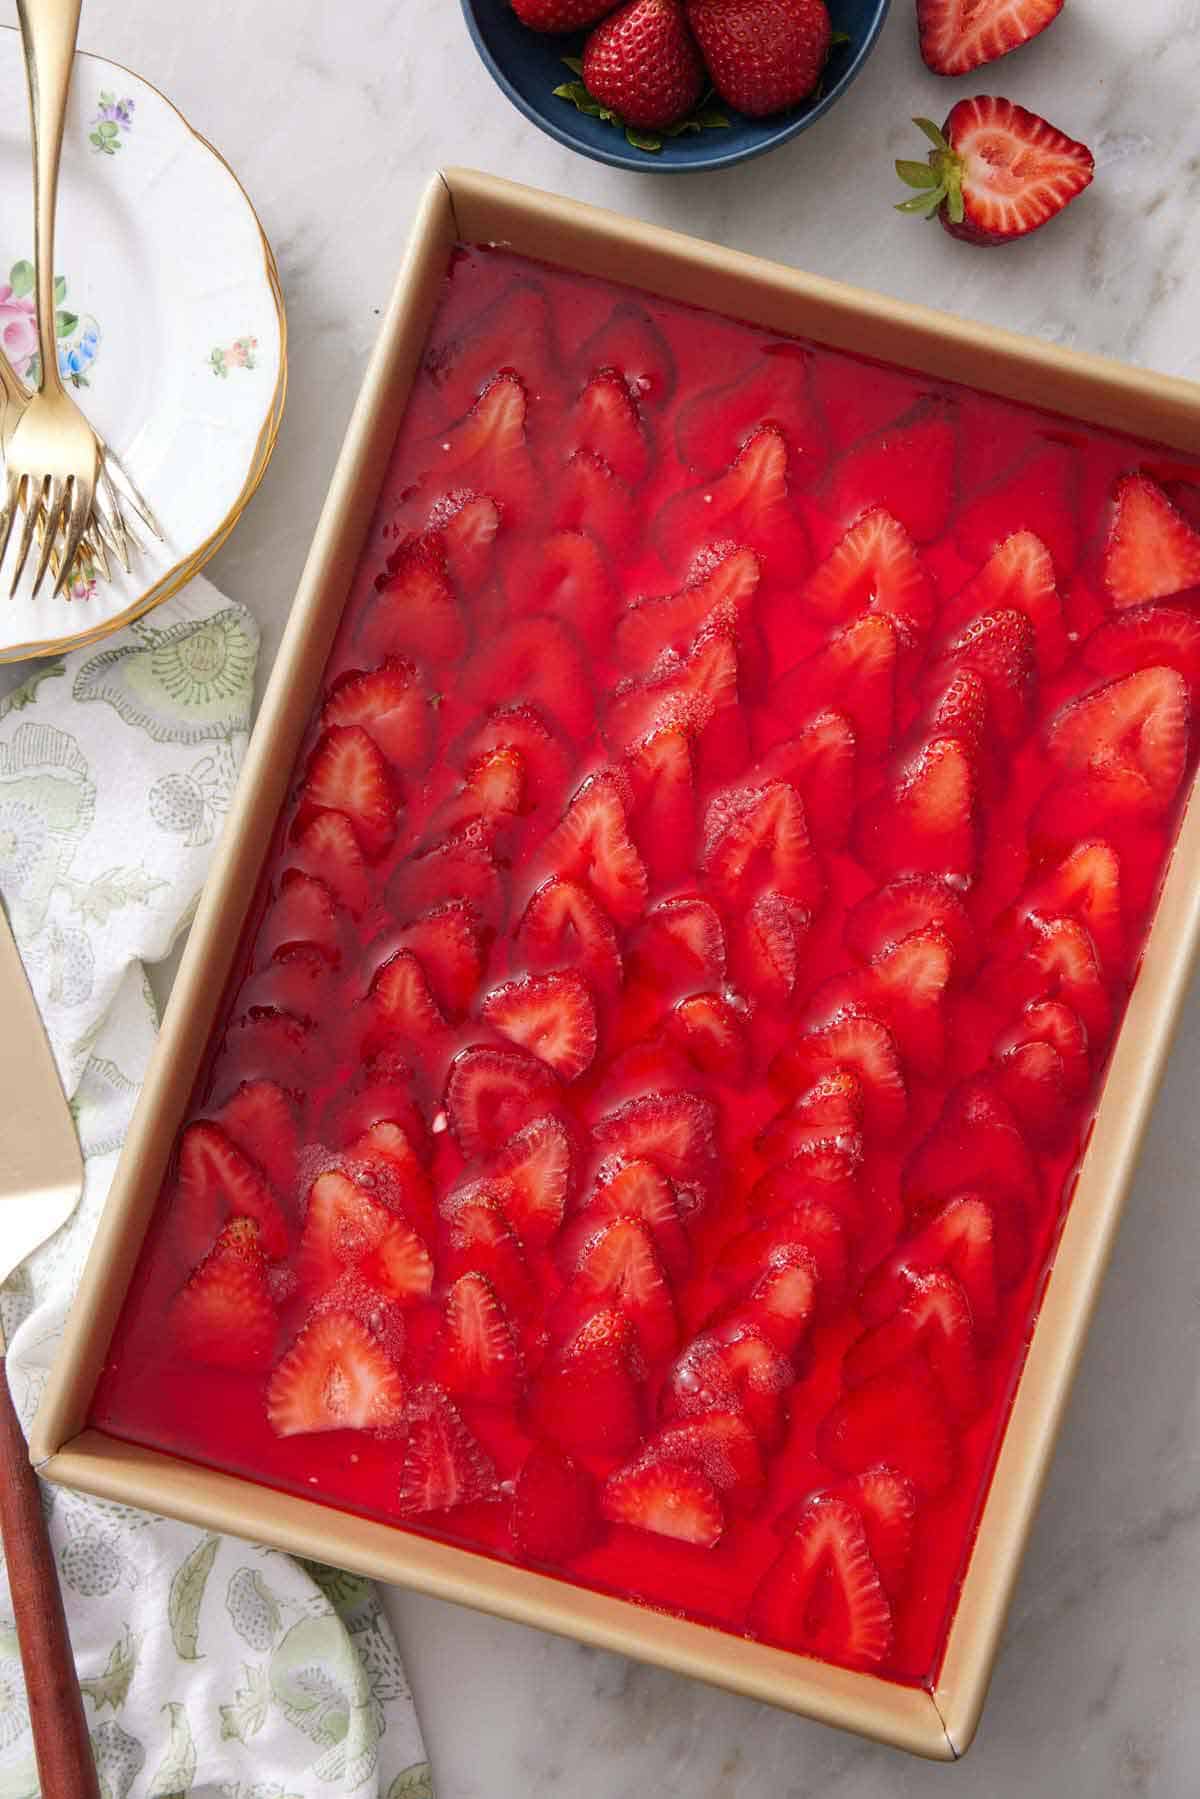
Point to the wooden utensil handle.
(66, 1767)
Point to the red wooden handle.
(64, 1754)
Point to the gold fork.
(55, 461)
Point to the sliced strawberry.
(680, 943)
(414, 613)
(480, 1240)
(551, 1015)
(934, 1321)
(335, 1376)
(327, 848)
(823, 1595)
(1152, 551)
(723, 1446)
(917, 903)
(620, 1267)
(605, 420)
(810, 1234)
(908, 983)
(391, 707)
(400, 1266)
(383, 1160)
(1031, 1079)
(756, 839)
(462, 869)
(347, 773)
(588, 1399)
(446, 942)
(875, 568)
(554, 1507)
(491, 1093)
(487, 449)
(1037, 493)
(532, 1173)
(563, 924)
(770, 944)
(1053, 1022)
(908, 470)
(856, 674)
(491, 796)
(514, 331)
(1000, 648)
(888, 1508)
(260, 1120)
(976, 1146)
(821, 765)
(669, 1499)
(401, 1006)
(224, 1316)
(632, 343)
(685, 693)
(782, 1300)
(382, 1096)
(961, 709)
(1140, 724)
(266, 1041)
(925, 823)
(567, 576)
(1087, 884)
(591, 497)
(711, 1032)
(536, 663)
(672, 1129)
(443, 1464)
(829, 1112)
(664, 804)
(1147, 637)
(1019, 577)
(544, 762)
(747, 497)
(592, 845)
(635, 1188)
(960, 35)
(774, 389)
(379, 1314)
(960, 1239)
(217, 1182)
(895, 1417)
(343, 1223)
(732, 1369)
(720, 587)
(866, 1047)
(1061, 963)
(476, 1356)
(304, 915)
(466, 524)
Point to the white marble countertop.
(334, 116)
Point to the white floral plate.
(170, 325)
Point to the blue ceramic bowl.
(529, 66)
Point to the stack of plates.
(170, 324)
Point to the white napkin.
(209, 1667)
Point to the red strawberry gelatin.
(645, 1103)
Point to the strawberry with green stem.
(996, 172)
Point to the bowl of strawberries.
(673, 84)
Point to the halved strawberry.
(1138, 724)
(711, 1032)
(862, 1044)
(960, 35)
(303, 915)
(961, 1240)
(587, 1398)
(592, 845)
(681, 943)
(466, 524)
(783, 1298)
(1147, 637)
(224, 1315)
(721, 585)
(960, 709)
(491, 796)
(462, 869)
(554, 1507)
(400, 1005)
(620, 1267)
(633, 344)
(907, 985)
(664, 804)
(1086, 884)
(916, 903)
(487, 449)
(562, 924)
(631, 1187)
(820, 763)
(1019, 577)
(907, 469)
(999, 173)
(476, 1355)
(414, 613)
(757, 839)
(673, 1129)
(444, 1466)
(823, 1595)
(400, 1266)
(605, 420)
(335, 1376)
(856, 674)
(925, 822)
(390, 704)
(552, 1015)
(723, 1446)
(683, 693)
(1152, 551)
(590, 496)
(544, 762)
(216, 1182)
(895, 1417)
(669, 1499)
(327, 848)
(888, 1508)
(532, 1174)
(534, 662)
(566, 576)
(491, 1093)
(734, 1368)
(769, 945)
(773, 389)
(347, 773)
(343, 1223)
(446, 942)
(875, 568)
(261, 1120)
(1000, 648)
(934, 1321)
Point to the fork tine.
(122, 479)
(96, 547)
(33, 507)
(76, 526)
(114, 518)
(55, 506)
(12, 499)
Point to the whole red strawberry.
(996, 172)
(762, 55)
(560, 15)
(644, 64)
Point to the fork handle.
(66, 1768)
(49, 29)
